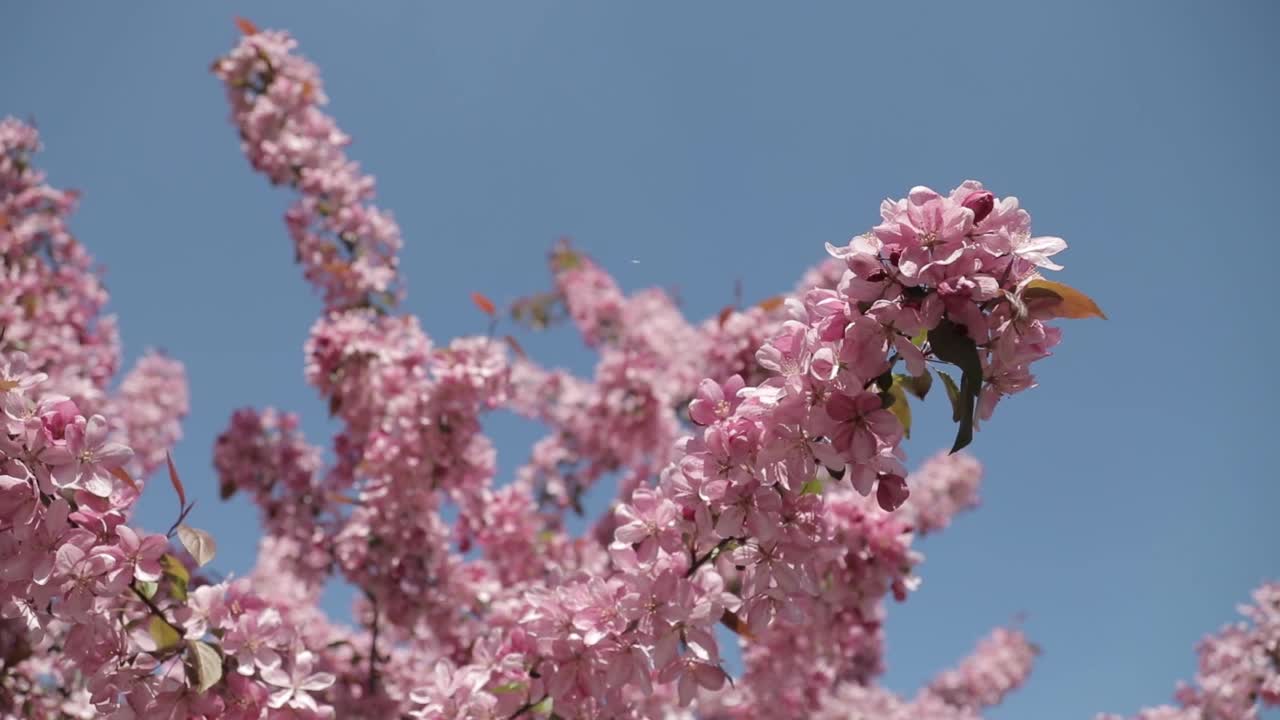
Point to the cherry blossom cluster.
(757, 521)
(51, 298)
(758, 455)
(1239, 668)
(112, 620)
(347, 247)
(999, 665)
(99, 618)
(148, 408)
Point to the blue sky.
(1130, 501)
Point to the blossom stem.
(373, 646)
(155, 609)
(711, 555)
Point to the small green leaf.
(199, 543)
(813, 487)
(510, 687)
(953, 394)
(148, 589)
(918, 386)
(178, 576)
(920, 337)
(899, 407)
(206, 664)
(543, 707)
(164, 634)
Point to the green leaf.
(178, 576)
(918, 386)
(164, 634)
(206, 664)
(543, 707)
(813, 487)
(950, 343)
(899, 407)
(953, 394)
(199, 543)
(148, 589)
(510, 687)
(920, 337)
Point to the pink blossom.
(87, 458)
(293, 686)
(141, 553)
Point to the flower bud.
(981, 202)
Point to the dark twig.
(373, 646)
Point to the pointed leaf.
(246, 27)
(199, 543)
(485, 304)
(509, 687)
(123, 476)
(899, 406)
(176, 481)
(1060, 300)
(206, 664)
(952, 344)
(178, 576)
(953, 394)
(918, 386)
(164, 634)
(813, 487)
(920, 337)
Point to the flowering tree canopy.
(758, 454)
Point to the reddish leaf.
(771, 304)
(246, 26)
(1060, 300)
(731, 620)
(123, 476)
(177, 482)
(725, 312)
(485, 304)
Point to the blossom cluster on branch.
(762, 494)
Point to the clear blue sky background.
(1131, 500)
